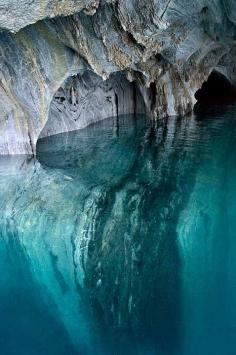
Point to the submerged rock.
(129, 234)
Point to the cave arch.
(86, 98)
(216, 90)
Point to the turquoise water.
(121, 239)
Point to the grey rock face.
(86, 99)
(16, 14)
(33, 65)
(165, 49)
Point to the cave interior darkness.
(217, 90)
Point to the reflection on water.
(120, 239)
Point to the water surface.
(121, 239)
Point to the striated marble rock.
(86, 99)
(33, 65)
(163, 49)
(16, 14)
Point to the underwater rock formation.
(166, 49)
(123, 249)
(81, 229)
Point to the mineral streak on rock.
(165, 49)
(16, 14)
(86, 98)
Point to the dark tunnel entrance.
(217, 90)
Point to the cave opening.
(217, 90)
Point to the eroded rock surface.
(16, 14)
(86, 99)
(166, 49)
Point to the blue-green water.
(121, 239)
